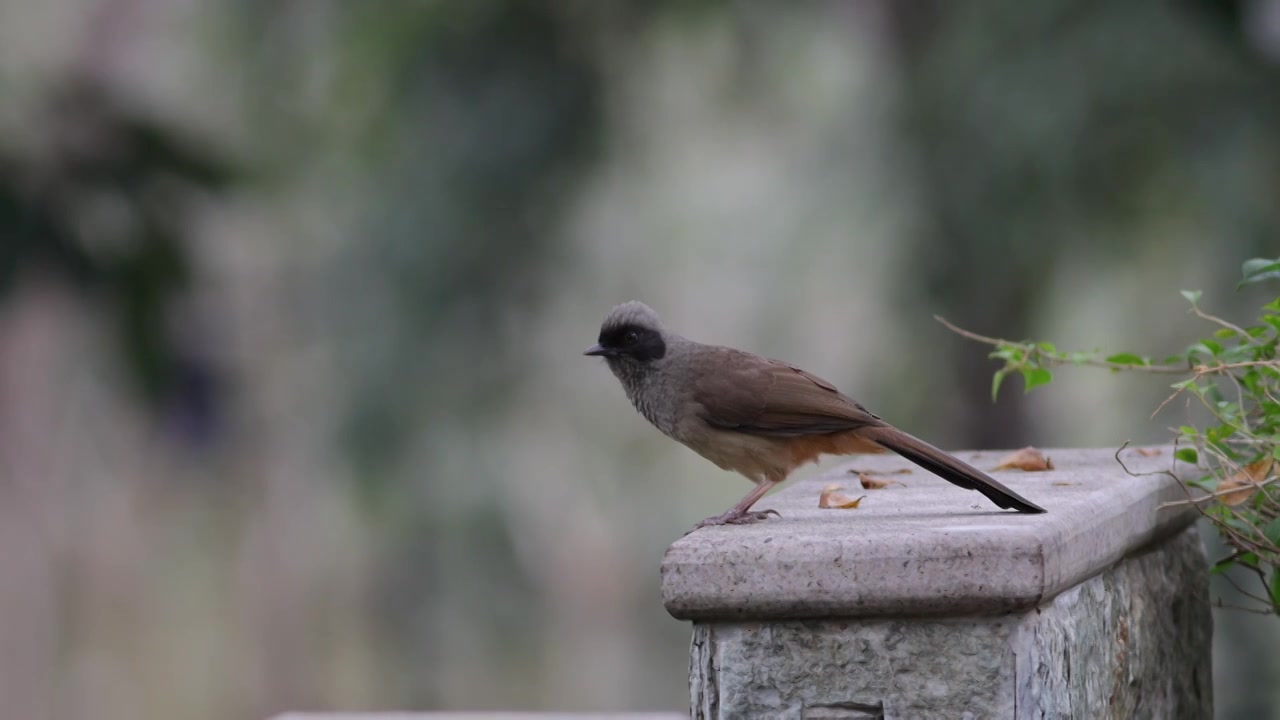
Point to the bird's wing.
(748, 393)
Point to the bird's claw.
(751, 516)
(737, 518)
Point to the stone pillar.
(928, 602)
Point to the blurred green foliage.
(1234, 379)
(1046, 132)
(102, 204)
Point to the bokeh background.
(293, 294)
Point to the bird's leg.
(742, 514)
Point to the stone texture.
(479, 716)
(927, 549)
(1130, 642)
(1134, 641)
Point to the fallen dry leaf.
(833, 499)
(871, 482)
(1028, 459)
(1148, 452)
(899, 471)
(1246, 480)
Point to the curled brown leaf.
(1028, 459)
(832, 498)
(1247, 480)
(1147, 452)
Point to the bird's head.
(631, 334)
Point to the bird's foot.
(736, 517)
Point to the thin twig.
(1260, 543)
(1244, 417)
(1054, 360)
(1232, 536)
(1131, 473)
(1209, 369)
(1231, 581)
(1167, 400)
(972, 335)
(1215, 319)
(1257, 611)
(1221, 368)
(1266, 390)
(1239, 530)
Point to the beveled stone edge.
(1054, 571)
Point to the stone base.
(478, 716)
(1131, 642)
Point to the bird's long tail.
(948, 467)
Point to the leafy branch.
(1235, 376)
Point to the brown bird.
(758, 417)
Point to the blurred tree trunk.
(955, 244)
(1042, 132)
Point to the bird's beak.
(597, 350)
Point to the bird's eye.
(631, 337)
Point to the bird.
(759, 417)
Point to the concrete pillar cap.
(926, 547)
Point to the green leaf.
(1253, 266)
(1188, 430)
(1047, 347)
(1194, 388)
(1207, 483)
(1035, 377)
(1187, 455)
(995, 382)
(1236, 354)
(1247, 559)
(1213, 393)
(1127, 359)
(1200, 349)
(1192, 296)
(1004, 352)
(1225, 563)
(1224, 333)
(1258, 270)
(1272, 531)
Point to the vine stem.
(1197, 370)
(1031, 347)
(1209, 496)
(1241, 530)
